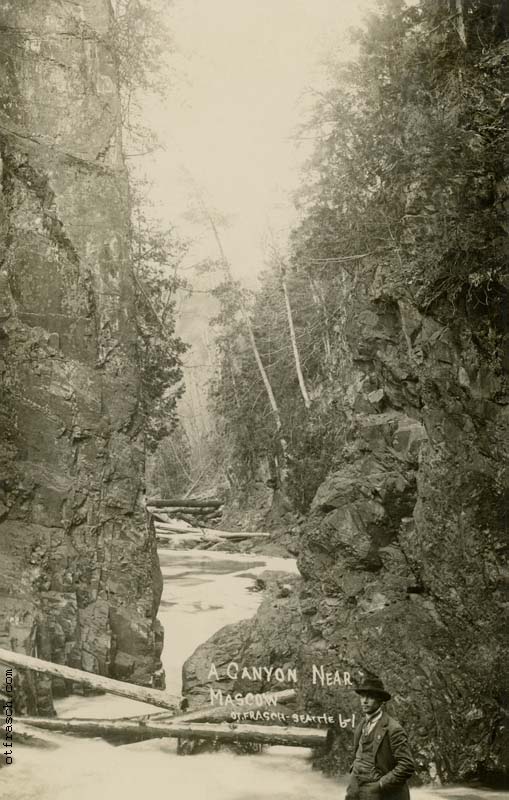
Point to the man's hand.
(371, 789)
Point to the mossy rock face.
(79, 577)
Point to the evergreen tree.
(409, 176)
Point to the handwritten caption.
(241, 704)
(319, 676)
(293, 719)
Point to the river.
(202, 592)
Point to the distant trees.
(410, 147)
(236, 323)
(408, 174)
(140, 42)
(156, 254)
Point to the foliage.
(408, 178)
(168, 465)
(235, 408)
(239, 400)
(156, 255)
(412, 137)
(141, 42)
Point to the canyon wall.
(404, 552)
(79, 576)
(404, 555)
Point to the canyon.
(402, 552)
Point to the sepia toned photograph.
(254, 399)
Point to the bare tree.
(296, 356)
(227, 270)
(319, 301)
(461, 22)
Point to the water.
(202, 592)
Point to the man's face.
(370, 703)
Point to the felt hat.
(372, 686)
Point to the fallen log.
(182, 503)
(238, 534)
(162, 517)
(25, 735)
(191, 520)
(172, 519)
(172, 527)
(255, 734)
(144, 694)
(175, 521)
(194, 512)
(178, 538)
(123, 729)
(165, 527)
(181, 538)
(219, 713)
(238, 715)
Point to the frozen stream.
(202, 592)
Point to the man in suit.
(383, 762)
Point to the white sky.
(247, 64)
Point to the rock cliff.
(404, 552)
(79, 577)
(404, 555)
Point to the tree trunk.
(234, 379)
(270, 394)
(144, 694)
(263, 373)
(252, 734)
(25, 735)
(204, 511)
(461, 22)
(182, 503)
(219, 713)
(296, 356)
(180, 538)
(205, 534)
(319, 302)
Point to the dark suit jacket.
(393, 758)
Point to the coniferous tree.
(408, 176)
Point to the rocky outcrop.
(79, 576)
(405, 553)
(270, 639)
(264, 646)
